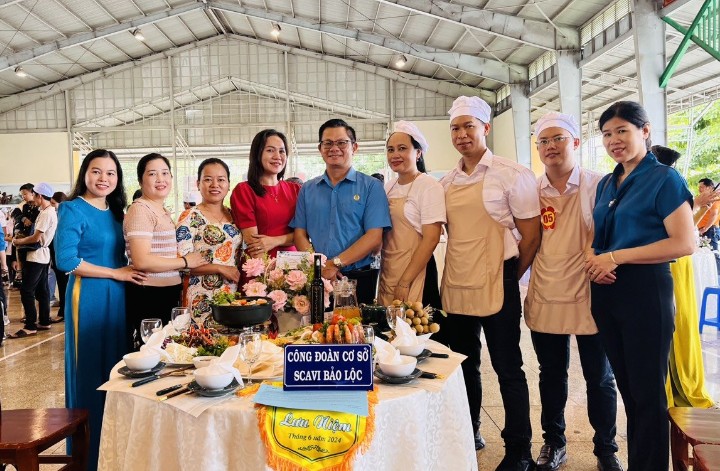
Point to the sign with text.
(328, 366)
(290, 260)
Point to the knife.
(152, 378)
(173, 394)
(439, 355)
(429, 375)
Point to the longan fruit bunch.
(419, 317)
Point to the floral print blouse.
(220, 244)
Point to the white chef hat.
(470, 106)
(192, 197)
(412, 130)
(558, 120)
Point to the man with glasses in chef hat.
(558, 300)
(489, 199)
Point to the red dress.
(271, 213)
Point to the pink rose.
(311, 258)
(253, 267)
(301, 304)
(279, 297)
(326, 303)
(296, 279)
(255, 288)
(275, 275)
(327, 284)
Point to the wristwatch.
(337, 262)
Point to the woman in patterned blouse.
(208, 228)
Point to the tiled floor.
(31, 376)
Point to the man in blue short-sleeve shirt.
(343, 212)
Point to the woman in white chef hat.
(417, 211)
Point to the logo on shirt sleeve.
(547, 216)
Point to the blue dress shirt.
(335, 217)
(633, 215)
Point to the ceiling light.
(401, 61)
(275, 30)
(20, 72)
(138, 34)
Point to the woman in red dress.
(264, 205)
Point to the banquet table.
(705, 273)
(424, 425)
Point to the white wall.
(442, 156)
(503, 134)
(34, 158)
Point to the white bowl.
(209, 380)
(404, 368)
(138, 361)
(200, 362)
(411, 350)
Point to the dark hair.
(149, 158)
(297, 180)
(707, 182)
(59, 196)
(665, 155)
(137, 194)
(117, 200)
(629, 111)
(28, 187)
(379, 176)
(337, 123)
(16, 213)
(416, 145)
(210, 161)
(255, 169)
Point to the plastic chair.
(714, 322)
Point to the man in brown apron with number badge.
(488, 200)
(558, 300)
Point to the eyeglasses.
(342, 144)
(555, 140)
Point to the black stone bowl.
(243, 316)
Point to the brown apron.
(398, 247)
(558, 298)
(472, 281)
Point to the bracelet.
(186, 263)
(613, 259)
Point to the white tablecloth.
(705, 273)
(414, 430)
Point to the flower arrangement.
(288, 287)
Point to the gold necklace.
(218, 221)
(273, 195)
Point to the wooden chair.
(25, 433)
(691, 426)
(707, 458)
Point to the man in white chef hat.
(558, 300)
(191, 198)
(488, 200)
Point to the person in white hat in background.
(191, 199)
(558, 300)
(417, 212)
(35, 268)
(488, 200)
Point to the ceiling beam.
(527, 31)
(490, 69)
(12, 60)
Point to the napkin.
(225, 364)
(405, 336)
(385, 352)
(154, 345)
(268, 364)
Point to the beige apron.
(472, 281)
(399, 244)
(558, 298)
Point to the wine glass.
(394, 313)
(369, 334)
(149, 327)
(250, 348)
(180, 323)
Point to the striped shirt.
(143, 222)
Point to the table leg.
(679, 449)
(80, 444)
(27, 460)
